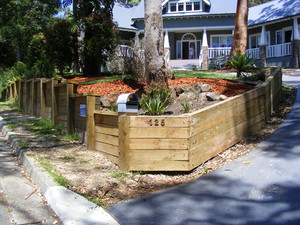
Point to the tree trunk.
(76, 66)
(241, 28)
(155, 68)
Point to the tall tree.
(241, 28)
(155, 67)
(76, 65)
(100, 34)
(20, 20)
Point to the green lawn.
(202, 74)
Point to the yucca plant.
(241, 63)
(156, 100)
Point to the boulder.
(206, 88)
(212, 96)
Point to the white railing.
(215, 52)
(253, 53)
(124, 50)
(279, 50)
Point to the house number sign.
(157, 122)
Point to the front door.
(189, 50)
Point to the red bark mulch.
(219, 86)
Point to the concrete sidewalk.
(261, 188)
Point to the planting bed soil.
(184, 91)
(219, 86)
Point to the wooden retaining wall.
(181, 143)
(150, 143)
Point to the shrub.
(241, 63)
(156, 100)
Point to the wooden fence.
(150, 143)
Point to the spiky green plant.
(241, 63)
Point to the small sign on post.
(82, 110)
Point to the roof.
(122, 15)
(217, 7)
(273, 10)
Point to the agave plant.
(241, 63)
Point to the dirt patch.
(90, 174)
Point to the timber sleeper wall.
(181, 143)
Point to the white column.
(166, 40)
(296, 35)
(204, 39)
(263, 40)
(167, 47)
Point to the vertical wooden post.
(70, 108)
(20, 93)
(90, 121)
(33, 100)
(124, 139)
(54, 110)
(43, 99)
(15, 90)
(25, 93)
(11, 92)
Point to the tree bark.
(155, 67)
(76, 66)
(241, 28)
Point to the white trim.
(296, 33)
(285, 29)
(184, 2)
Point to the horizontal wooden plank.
(159, 166)
(159, 132)
(225, 106)
(226, 125)
(158, 155)
(111, 149)
(161, 121)
(111, 158)
(158, 143)
(106, 129)
(108, 139)
(216, 144)
(230, 115)
(106, 120)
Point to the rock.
(186, 88)
(202, 97)
(104, 101)
(173, 92)
(187, 96)
(206, 87)
(212, 96)
(198, 88)
(223, 97)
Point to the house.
(196, 31)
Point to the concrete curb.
(71, 208)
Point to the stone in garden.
(223, 97)
(187, 96)
(173, 92)
(212, 96)
(186, 88)
(206, 88)
(198, 88)
(202, 97)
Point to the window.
(196, 6)
(181, 7)
(185, 6)
(255, 39)
(189, 6)
(173, 7)
(283, 36)
(221, 41)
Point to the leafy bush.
(241, 63)
(156, 100)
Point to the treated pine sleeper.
(156, 144)
(107, 148)
(143, 155)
